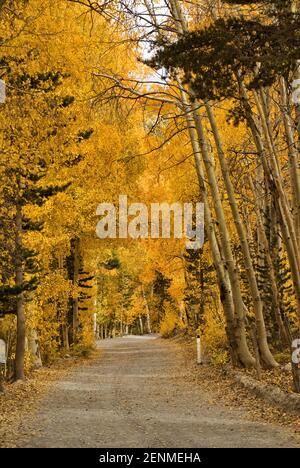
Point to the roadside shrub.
(214, 337)
(170, 323)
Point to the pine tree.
(212, 56)
(27, 186)
(199, 279)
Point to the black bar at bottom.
(143, 457)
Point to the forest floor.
(146, 392)
(22, 398)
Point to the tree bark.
(266, 247)
(274, 179)
(236, 337)
(264, 349)
(141, 325)
(21, 321)
(76, 267)
(147, 310)
(293, 158)
(244, 353)
(34, 349)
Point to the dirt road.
(137, 394)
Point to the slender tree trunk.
(76, 267)
(266, 354)
(141, 325)
(236, 343)
(223, 280)
(253, 333)
(266, 248)
(34, 349)
(1, 379)
(147, 310)
(240, 329)
(295, 7)
(246, 357)
(21, 322)
(293, 158)
(274, 180)
(66, 337)
(272, 169)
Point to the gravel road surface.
(138, 393)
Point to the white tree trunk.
(34, 348)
